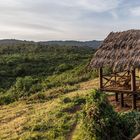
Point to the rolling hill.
(94, 44)
(46, 93)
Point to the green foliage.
(79, 100)
(7, 98)
(29, 67)
(52, 93)
(130, 122)
(27, 86)
(63, 67)
(66, 100)
(23, 87)
(70, 77)
(36, 60)
(101, 122)
(100, 118)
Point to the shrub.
(26, 86)
(66, 100)
(38, 96)
(101, 122)
(130, 122)
(7, 98)
(63, 67)
(79, 100)
(100, 118)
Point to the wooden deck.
(119, 90)
(120, 83)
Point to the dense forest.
(28, 67)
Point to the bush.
(130, 122)
(27, 86)
(7, 98)
(100, 119)
(101, 122)
(63, 67)
(24, 87)
(66, 100)
(79, 100)
(38, 96)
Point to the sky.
(41, 20)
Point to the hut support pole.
(101, 78)
(116, 97)
(122, 100)
(133, 88)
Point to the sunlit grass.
(19, 119)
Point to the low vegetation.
(28, 68)
(46, 93)
(101, 122)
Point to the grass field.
(53, 119)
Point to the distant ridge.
(94, 43)
(13, 41)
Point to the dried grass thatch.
(120, 51)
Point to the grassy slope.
(51, 119)
(45, 90)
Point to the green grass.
(52, 119)
(56, 114)
(43, 91)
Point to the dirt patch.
(72, 109)
(70, 135)
(127, 103)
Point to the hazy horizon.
(80, 20)
(1, 39)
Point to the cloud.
(100, 5)
(66, 19)
(135, 11)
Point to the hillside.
(28, 68)
(45, 116)
(93, 44)
(55, 119)
(47, 93)
(42, 82)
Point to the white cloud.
(135, 11)
(93, 5)
(100, 5)
(65, 19)
(114, 15)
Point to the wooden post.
(122, 100)
(133, 88)
(116, 97)
(100, 78)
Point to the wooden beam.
(133, 88)
(107, 80)
(122, 100)
(100, 78)
(133, 80)
(115, 73)
(116, 97)
(117, 90)
(134, 106)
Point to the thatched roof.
(120, 51)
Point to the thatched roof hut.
(120, 51)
